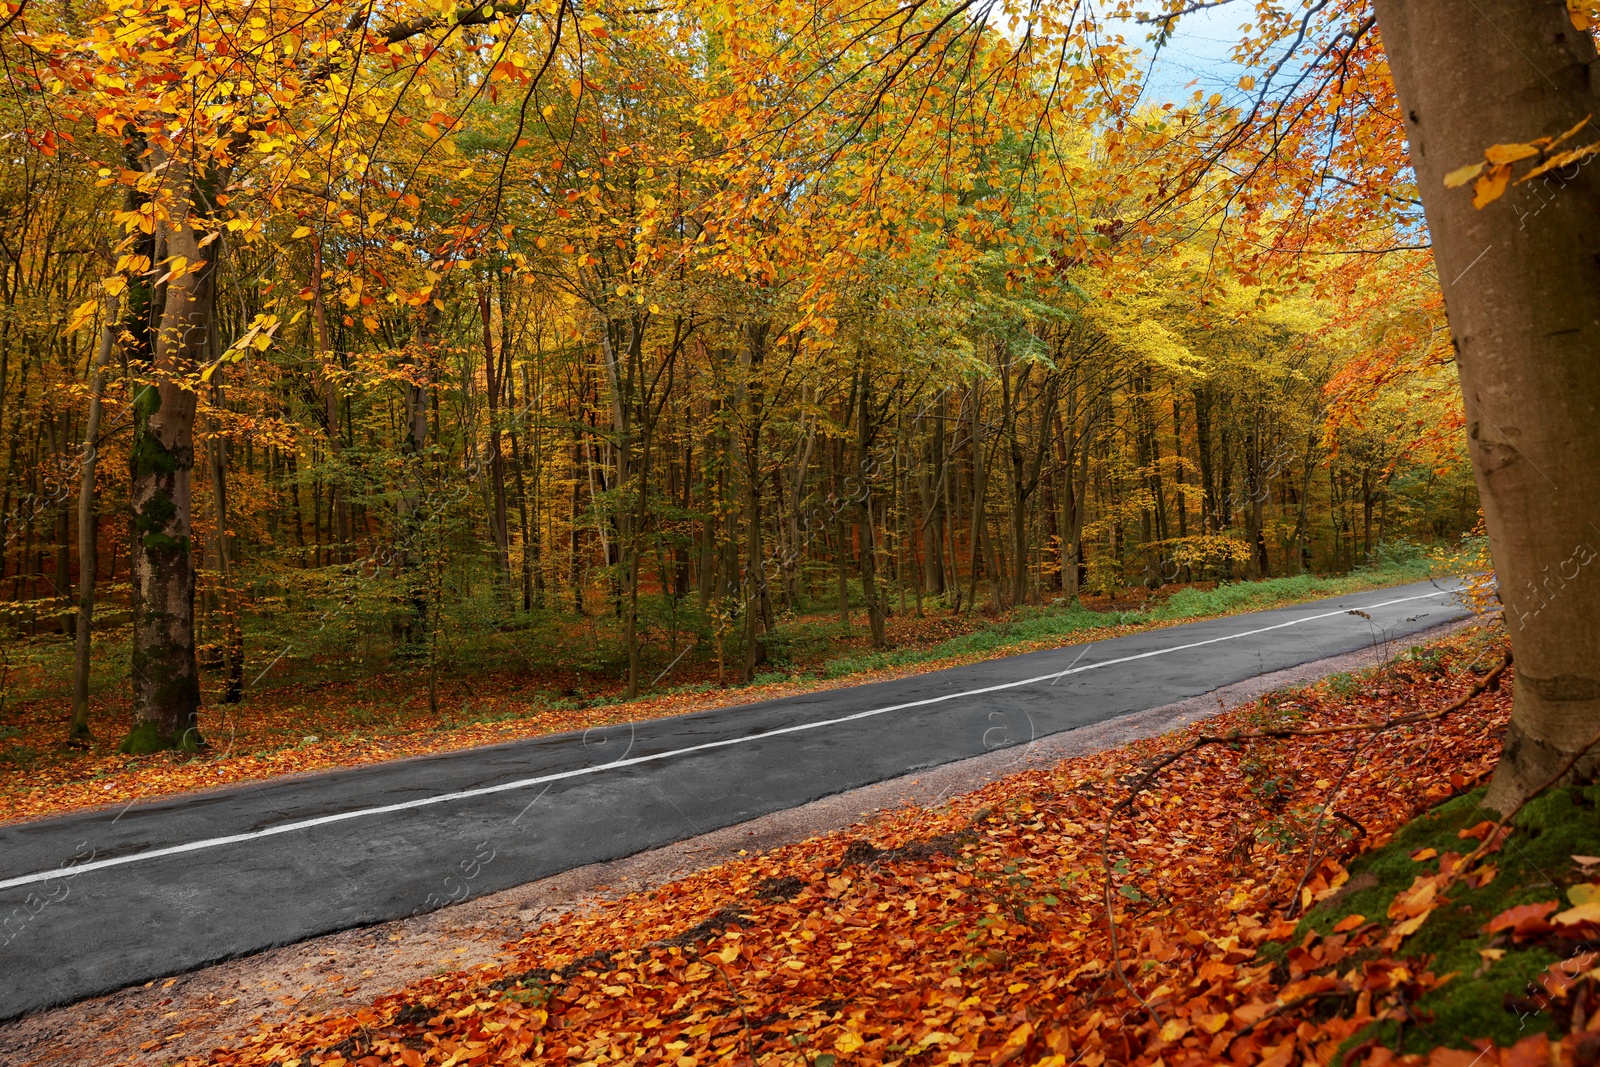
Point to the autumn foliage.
(473, 321)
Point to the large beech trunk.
(1521, 282)
(166, 686)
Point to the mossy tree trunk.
(166, 688)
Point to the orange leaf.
(1417, 900)
(1524, 918)
(1489, 188)
(1531, 1051)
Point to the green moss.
(160, 544)
(1535, 865)
(149, 455)
(144, 738)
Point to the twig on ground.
(1316, 832)
(1342, 817)
(1154, 768)
(749, 1044)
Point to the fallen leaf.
(1524, 918)
(1531, 1051)
(1588, 912)
(1416, 900)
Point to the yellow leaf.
(1588, 912)
(1247, 83)
(1583, 892)
(1015, 1043)
(729, 954)
(1490, 187)
(1462, 175)
(80, 315)
(1500, 154)
(1580, 124)
(848, 1042)
(1413, 924)
(1174, 1030)
(1212, 1024)
(1561, 159)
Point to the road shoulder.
(158, 1022)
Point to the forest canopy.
(358, 333)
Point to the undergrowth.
(1536, 864)
(1064, 619)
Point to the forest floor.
(336, 721)
(975, 931)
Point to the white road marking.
(525, 783)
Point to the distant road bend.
(100, 900)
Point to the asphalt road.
(110, 898)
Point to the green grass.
(1064, 620)
(1535, 865)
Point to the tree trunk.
(338, 509)
(232, 628)
(934, 519)
(865, 431)
(413, 627)
(527, 511)
(166, 689)
(78, 731)
(1522, 289)
(495, 371)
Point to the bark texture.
(1521, 280)
(166, 686)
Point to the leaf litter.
(978, 933)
